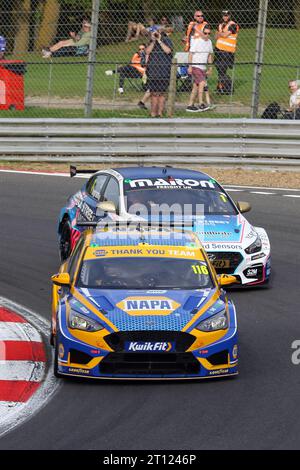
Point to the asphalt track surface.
(259, 409)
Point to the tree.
(21, 14)
(297, 13)
(48, 26)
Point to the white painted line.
(291, 195)
(10, 331)
(22, 370)
(15, 414)
(37, 173)
(258, 187)
(231, 190)
(260, 192)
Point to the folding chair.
(184, 81)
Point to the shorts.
(158, 85)
(198, 75)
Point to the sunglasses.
(206, 34)
(199, 16)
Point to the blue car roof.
(158, 172)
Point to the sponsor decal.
(149, 346)
(251, 272)
(148, 305)
(79, 371)
(221, 246)
(235, 351)
(61, 350)
(177, 183)
(86, 212)
(255, 257)
(156, 291)
(210, 233)
(99, 253)
(218, 372)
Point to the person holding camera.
(159, 53)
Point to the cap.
(226, 12)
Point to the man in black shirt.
(159, 53)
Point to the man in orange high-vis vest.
(226, 36)
(195, 29)
(136, 68)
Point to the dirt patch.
(238, 176)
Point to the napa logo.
(148, 305)
(149, 346)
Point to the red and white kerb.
(22, 360)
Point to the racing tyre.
(55, 364)
(65, 241)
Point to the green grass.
(65, 78)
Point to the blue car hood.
(151, 309)
(220, 228)
(213, 228)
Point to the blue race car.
(147, 193)
(142, 303)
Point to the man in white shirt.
(200, 54)
(295, 96)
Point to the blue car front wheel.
(65, 241)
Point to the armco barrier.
(151, 140)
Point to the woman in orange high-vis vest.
(226, 36)
(136, 68)
(195, 29)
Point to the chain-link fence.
(104, 58)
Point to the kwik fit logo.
(148, 305)
(149, 346)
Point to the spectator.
(137, 30)
(225, 49)
(160, 53)
(2, 47)
(195, 29)
(143, 101)
(295, 96)
(71, 46)
(136, 68)
(201, 53)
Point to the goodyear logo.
(148, 305)
(149, 346)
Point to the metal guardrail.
(151, 140)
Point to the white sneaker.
(108, 72)
(121, 90)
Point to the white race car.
(234, 246)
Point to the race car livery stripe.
(93, 309)
(206, 305)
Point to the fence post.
(259, 55)
(172, 89)
(88, 102)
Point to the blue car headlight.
(78, 321)
(219, 321)
(255, 246)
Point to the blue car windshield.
(144, 273)
(181, 201)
